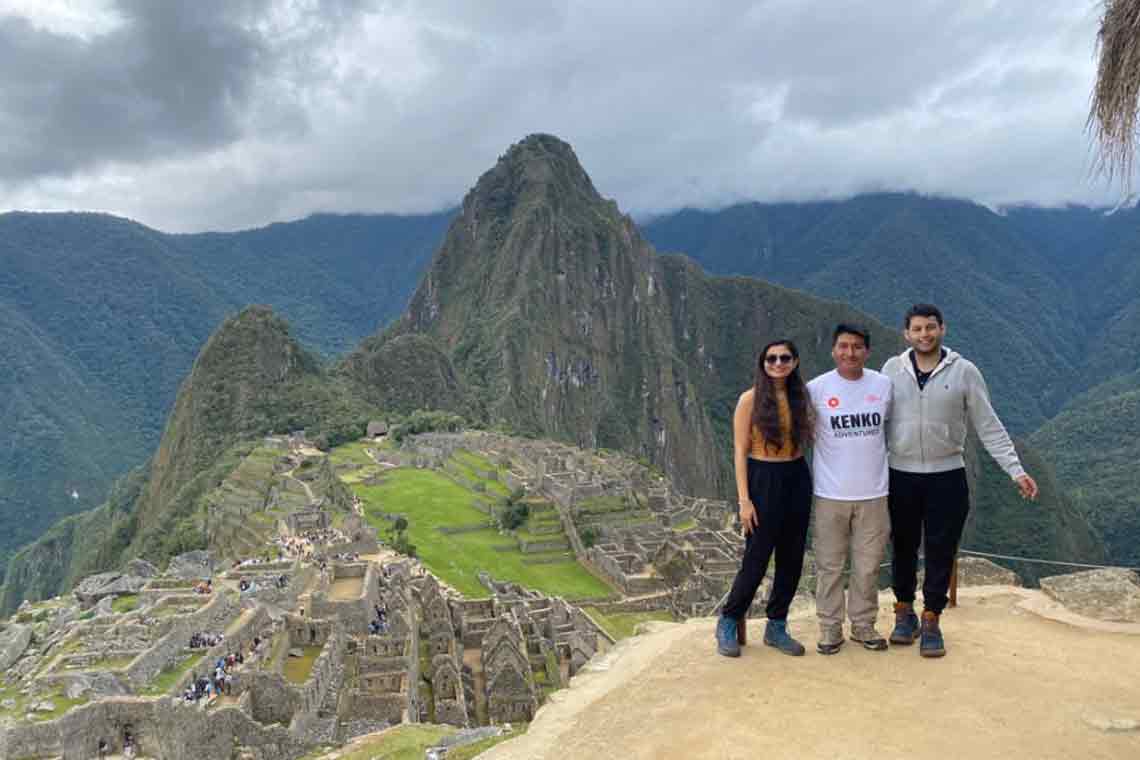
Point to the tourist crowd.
(379, 624)
(206, 640)
(220, 679)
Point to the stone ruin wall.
(283, 598)
(162, 727)
(354, 614)
(386, 671)
(315, 720)
(506, 666)
(214, 616)
(269, 697)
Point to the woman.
(772, 425)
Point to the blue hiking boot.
(726, 643)
(906, 624)
(776, 635)
(930, 643)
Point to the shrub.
(513, 515)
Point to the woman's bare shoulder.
(746, 398)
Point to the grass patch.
(685, 526)
(469, 751)
(492, 487)
(297, 669)
(61, 702)
(430, 501)
(125, 603)
(353, 453)
(621, 625)
(405, 742)
(108, 663)
(171, 675)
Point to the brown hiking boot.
(930, 642)
(906, 624)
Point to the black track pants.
(781, 493)
(935, 504)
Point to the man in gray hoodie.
(936, 392)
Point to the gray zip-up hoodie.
(926, 431)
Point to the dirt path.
(1014, 684)
(473, 658)
(308, 491)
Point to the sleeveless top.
(760, 448)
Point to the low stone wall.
(163, 728)
(390, 707)
(272, 699)
(644, 604)
(533, 547)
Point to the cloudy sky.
(222, 114)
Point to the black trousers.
(935, 504)
(781, 493)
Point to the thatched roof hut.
(1116, 95)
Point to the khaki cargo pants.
(862, 529)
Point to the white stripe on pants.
(860, 528)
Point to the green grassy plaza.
(297, 669)
(431, 500)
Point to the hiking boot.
(906, 624)
(869, 638)
(830, 639)
(825, 647)
(726, 643)
(776, 635)
(930, 642)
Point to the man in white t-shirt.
(850, 477)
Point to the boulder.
(1111, 595)
(976, 571)
(140, 568)
(44, 706)
(96, 587)
(198, 564)
(13, 641)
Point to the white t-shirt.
(850, 458)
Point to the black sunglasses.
(781, 358)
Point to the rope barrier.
(1044, 561)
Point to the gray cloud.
(227, 114)
(174, 78)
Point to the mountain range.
(544, 312)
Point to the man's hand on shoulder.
(1028, 487)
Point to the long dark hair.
(766, 411)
